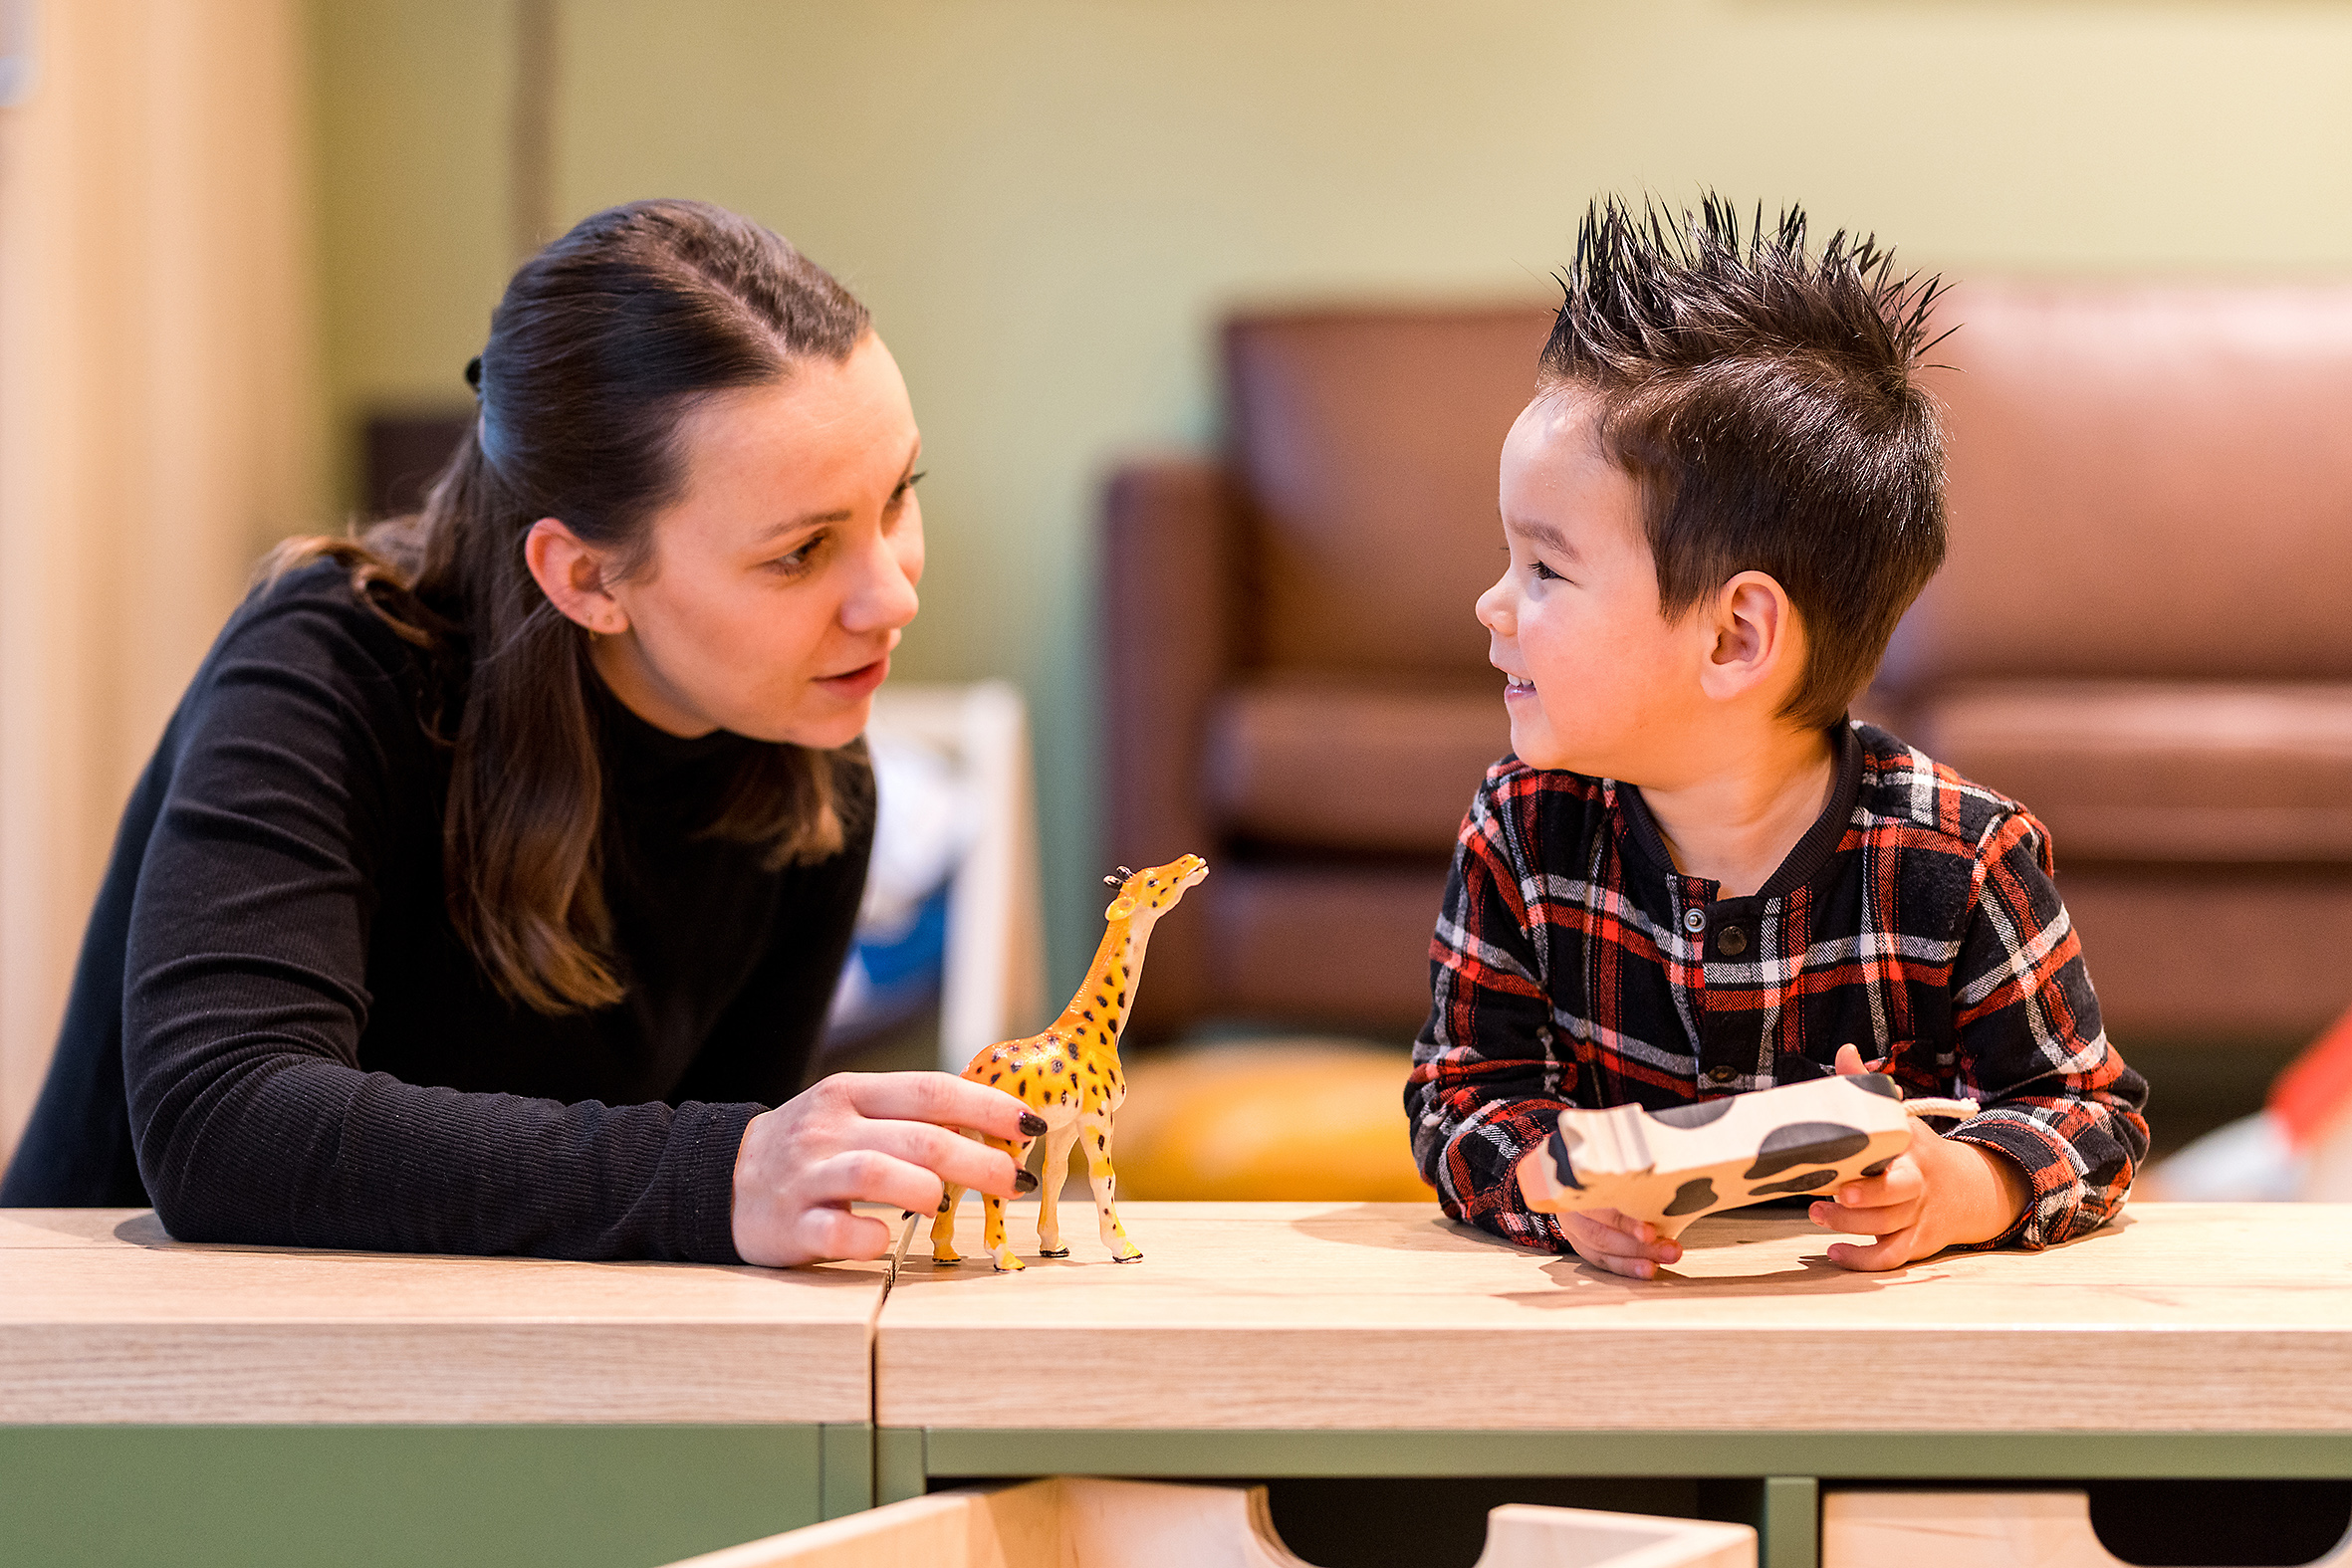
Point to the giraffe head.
(1150, 893)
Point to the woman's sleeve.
(245, 994)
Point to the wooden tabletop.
(104, 1318)
(2183, 1317)
(1370, 1316)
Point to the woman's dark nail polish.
(1025, 1181)
(1032, 1125)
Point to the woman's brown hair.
(600, 345)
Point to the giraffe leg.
(943, 1230)
(1095, 1142)
(993, 1235)
(1058, 1142)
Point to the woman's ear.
(570, 573)
(1756, 641)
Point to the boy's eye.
(905, 484)
(1542, 573)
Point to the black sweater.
(275, 1036)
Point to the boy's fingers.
(1634, 1241)
(1901, 1181)
(1848, 1061)
(1888, 1252)
(1630, 1267)
(1864, 1222)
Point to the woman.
(491, 880)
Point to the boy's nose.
(1492, 609)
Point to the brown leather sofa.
(2142, 632)
(1296, 685)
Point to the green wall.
(1047, 203)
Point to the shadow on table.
(1400, 1227)
(1585, 1284)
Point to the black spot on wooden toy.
(1876, 1083)
(1879, 1169)
(1692, 1196)
(1806, 1143)
(1696, 1114)
(1804, 1181)
(1562, 1171)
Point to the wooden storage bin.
(1073, 1521)
(1973, 1529)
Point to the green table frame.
(617, 1496)
(1770, 1479)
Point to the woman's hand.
(867, 1137)
(1607, 1240)
(1939, 1193)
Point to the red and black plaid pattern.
(1574, 966)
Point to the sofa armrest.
(1168, 590)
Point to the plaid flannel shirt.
(1917, 919)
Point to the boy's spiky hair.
(1762, 397)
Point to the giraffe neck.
(1101, 1004)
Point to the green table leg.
(901, 1470)
(1785, 1512)
(846, 1468)
(1789, 1535)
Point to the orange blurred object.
(1269, 1120)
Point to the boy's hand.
(1607, 1240)
(1939, 1193)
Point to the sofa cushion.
(2144, 481)
(2153, 771)
(1339, 944)
(1332, 763)
(1367, 443)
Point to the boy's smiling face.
(1600, 682)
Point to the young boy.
(1696, 877)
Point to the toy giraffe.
(1070, 1075)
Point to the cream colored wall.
(158, 425)
(1048, 203)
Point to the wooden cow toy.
(1070, 1075)
(1669, 1166)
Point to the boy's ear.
(1754, 639)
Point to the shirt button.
(1732, 941)
(1721, 1074)
(1694, 920)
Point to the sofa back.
(2145, 482)
(1366, 443)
